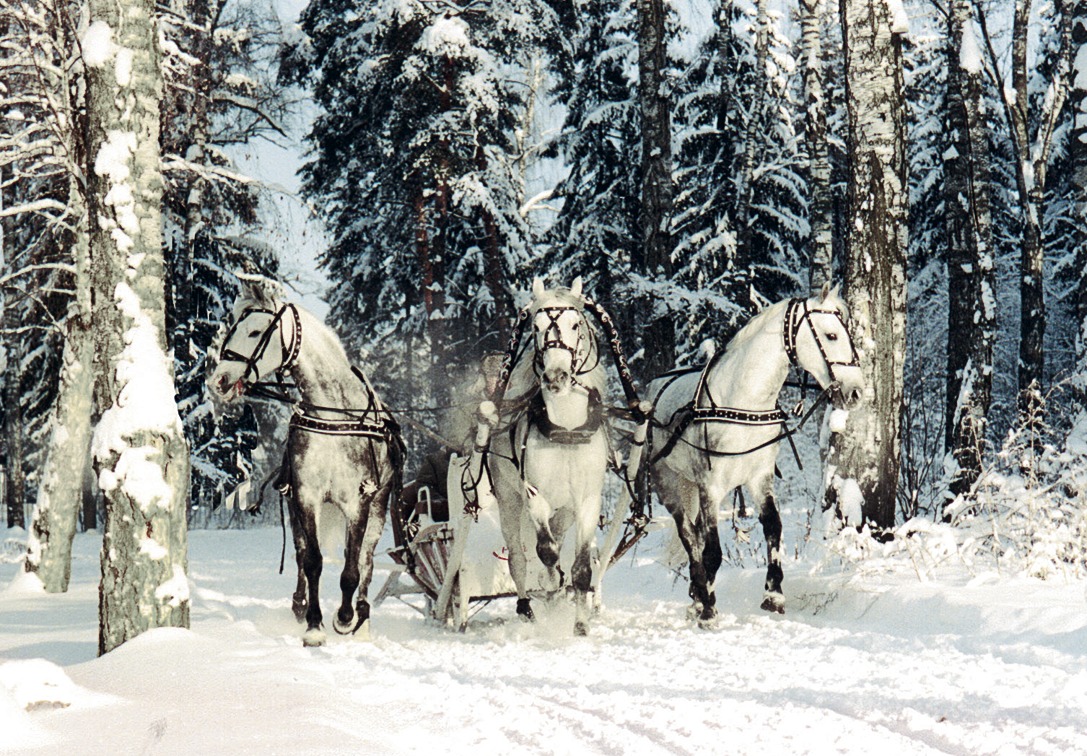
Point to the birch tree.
(970, 278)
(140, 454)
(865, 456)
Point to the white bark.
(139, 450)
(868, 450)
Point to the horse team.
(543, 440)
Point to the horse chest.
(569, 472)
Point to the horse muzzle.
(229, 390)
(556, 381)
(846, 397)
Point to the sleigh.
(450, 570)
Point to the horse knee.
(548, 553)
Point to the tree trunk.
(820, 208)
(60, 495)
(1078, 148)
(15, 473)
(139, 448)
(970, 278)
(656, 173)
(868, 450)
(745, 253)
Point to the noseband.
(552, 339)
(798, 312)
(250, 362)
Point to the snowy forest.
(694, 161)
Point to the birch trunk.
(60, 496)
(60, 493)
(139, 449)
(656, 173)
(868, 450)
(970, 279)
(820, 237)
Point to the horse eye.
(832, 336)
(255, 334)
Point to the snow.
(970, 53)
(867, 659)
(97, 44)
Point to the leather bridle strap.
(795, 315)
(250, 362)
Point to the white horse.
(343, 456)
(548, 457)
(714, 430)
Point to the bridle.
(552, 339)
(704, 409)
(796, 314)
(250, 362)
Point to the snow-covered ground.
(868, 661)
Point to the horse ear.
(575, 287)
(537, 288)
(825, 291)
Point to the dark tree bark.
(820, 210)
(655, 219)
(970, 279)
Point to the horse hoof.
(708, 623)
(348, 627)
(694, 611)
(581, 629)
(773, 602)
(313, 638)
(299, 610)
(524, 610)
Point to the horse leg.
(547, 547)
(510, 510)
(773, 599)
(298, 598)
(375, 523)
(344, 621)
(711, 554)
(311, 565)
(682, 499)
(582, 571)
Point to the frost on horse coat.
(342, 461)
(708, 459)
(548, 453)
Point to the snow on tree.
(139, 448)
(865, 455)
(741, 201)
(414, 164)
(219, 92)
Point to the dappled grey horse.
(716, 429)
(343, 458)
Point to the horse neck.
(322, 371)
(750, 376)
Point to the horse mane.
(523, 381)
(757, 325)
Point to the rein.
(796, 314)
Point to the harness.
(703, 408)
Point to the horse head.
(563, 339)
(817, 337)
(262, 338)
